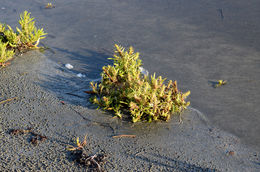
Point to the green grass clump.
(5, 54)
(29, 34)
(124, 88)
(24, 38)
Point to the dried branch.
(8, 100)
(124, 135)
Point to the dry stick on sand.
(124, 135)
(19, 131)
(7, 100)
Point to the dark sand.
(190, 41)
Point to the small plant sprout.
(126, 89)
(79, 146)
(220, 83)
(49, 6)
(91, 161)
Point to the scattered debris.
(124, 135)
(35, 137)
(68, 66)
(49, 6)
(34, 141)
(80, 75)
(231, 153)
(92, 162)
(19, 131)
(90, 92)
(7, 100)
(4, 64)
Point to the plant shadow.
(213, 83)
(67, 84)
(175, 164)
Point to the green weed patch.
(24, 38)
(124, 89)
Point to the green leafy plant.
(5, 54)
(11, 38)
(124, 88)
(25, 38)
(220, 83)
(29, 34)
(49, 6)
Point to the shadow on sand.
(176, 164)
(65, 83)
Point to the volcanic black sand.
(193, 42)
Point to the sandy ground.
(194, 42)
(194, 145)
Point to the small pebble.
(80, 75)
(68, 66)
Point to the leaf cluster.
(124, 88)
(80, 145)
(5, 54)
(24, 38)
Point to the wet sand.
(194, 145)
(193, 42)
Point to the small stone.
(80, 75)
(68, 66)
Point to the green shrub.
(5, 54)
(29, 34)
(28, 37)
(10, 37)
(124, 88)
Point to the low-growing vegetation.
(80, 154)
(24, 38)
(124, 89)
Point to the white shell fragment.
(144, 71)
(68, 66)
(80, 75)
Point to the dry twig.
(8, 100)
(19, 131)
(124, 135)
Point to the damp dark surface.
(195, 42)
